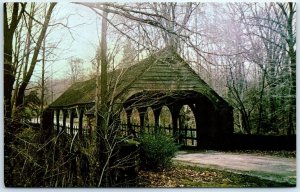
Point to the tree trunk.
(292, 54)
(21, 90)
(260, 109)
(102, 125)
(291, 41)
(43, 83)
(244, 120)
(292, 108)
(9, 77)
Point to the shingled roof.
(161, 71)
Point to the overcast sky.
(84, 26)
(80, 40)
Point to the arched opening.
(165, 120)
(135, 120)
(149, 121)
(187, 127)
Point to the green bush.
(157, 151)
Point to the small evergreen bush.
(157, 151)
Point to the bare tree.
(11, 21)
(130, 54)
(76, 69)
(34, 59)
(268, 31)
(288, 13)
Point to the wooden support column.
(57, 120)
(64, 112)
(80, 112)
(129, 125)
(199, 131)
(71, 115)
(204, 119)
(156, 118)
(175, 124)
(52, 120)
(142, 112)
(47, 124)
(175, 109)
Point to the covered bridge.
(161, 82)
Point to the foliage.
(24, 114)
(157, 151)
(32, 100)
(24, 165)
(32, 106)
(50, 163)
(29, 110)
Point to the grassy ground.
(190, 176)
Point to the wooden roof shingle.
(162, 71)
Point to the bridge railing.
(185, 136)
(85, 129)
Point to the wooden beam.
(57, 120)
(71, 115)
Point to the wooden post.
(175, 124)
(202, 122)
(48, 124)
(57, 120)
(64, 120)
(53, 119)
(52, 122)
(142, 112)
(175, 114)
(71, 115)
(156, 118)
(129, 125)
(80, 117)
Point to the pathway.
(274, 168)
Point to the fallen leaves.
(177, 177)
(190, 176)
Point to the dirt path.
(279, 169)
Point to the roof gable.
(162, 71)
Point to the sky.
(84, 27)
(80, 40)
